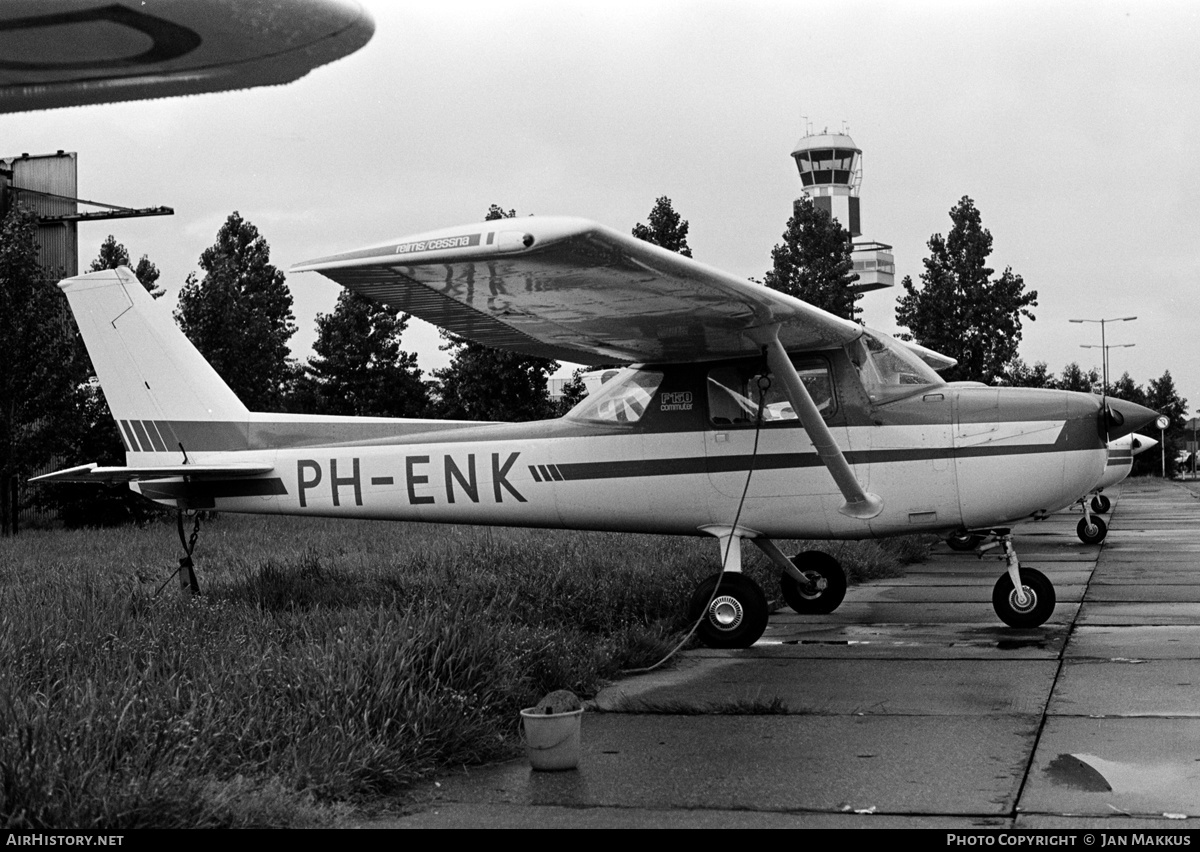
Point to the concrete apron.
(912, 705)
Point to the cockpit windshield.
(888, 369)
(624, 398)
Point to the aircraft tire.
(1036, 611)
(1101, 504)
(1092, 533)
(823, 566)
(736, 617)
(963, 541)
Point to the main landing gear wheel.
(826, 584)
(964, 541)
(1091, 533)
(735, 618)
(1039, 599)
(1101, 504)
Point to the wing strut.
(859, 504)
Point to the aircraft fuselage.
(672, 457)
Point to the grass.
(327, 663)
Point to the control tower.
(830, 167)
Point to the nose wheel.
(1022, 597)
(1091, 530)
(1032, 607)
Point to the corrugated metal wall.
(57, 174)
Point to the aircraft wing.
(94, 473)
(577, 291)
(57, 53)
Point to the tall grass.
(326, 662)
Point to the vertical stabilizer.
(159, 388)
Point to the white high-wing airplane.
(1091, 528)
(748, 414)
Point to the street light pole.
(1103, 342)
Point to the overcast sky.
(1073, 126)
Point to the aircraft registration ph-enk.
(746, 415)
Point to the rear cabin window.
(733, 393)
(623, 398)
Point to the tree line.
(50, 411)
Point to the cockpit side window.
(733, 393)
(888, 369)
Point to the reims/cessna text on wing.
(747, 415)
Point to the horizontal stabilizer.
(94, 473)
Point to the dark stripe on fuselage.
(779, 461)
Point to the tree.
(495, 211)
(1075, 379)
(358, 367)
(1163, 398)
(574, 391)
(113, 254)
(482, 383)
(813, 262)
(960, 309)
(1018, 374)
(666, 228)
(39, 370)
(240, 316)
(490, 384)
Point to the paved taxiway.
(912, 705)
